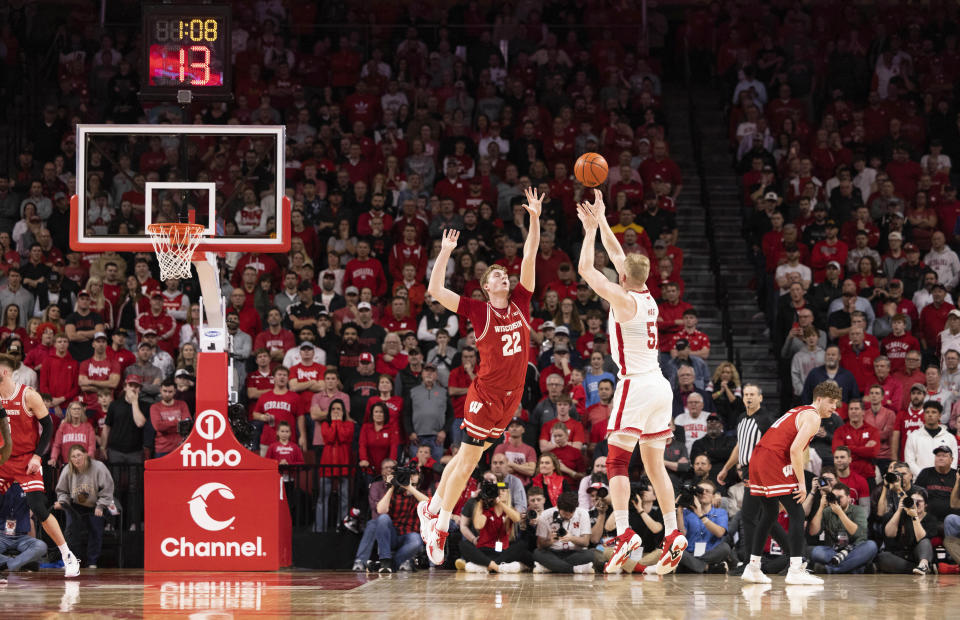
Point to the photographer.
(563, 535)
(528, 525)
(15, 514)
(378, 488)
(165, 416)
(897, 481)
(907, 546)
(400, 531)
(704, 527)
(492, 518)
(597, 473)
(600, 511)
(845, 526)
(501, 469)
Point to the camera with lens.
(489, 491)
(687, 493)
(840, 555)
(184, 427)
(891, 477)
(243, 429)
(401, 476)
(532, 515)
(830, 497)
(561, 531)
(908, 502)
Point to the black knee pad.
(37, 501)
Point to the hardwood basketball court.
(135, 594)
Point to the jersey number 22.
(511, 343)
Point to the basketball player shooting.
(24, 411)
(776, 477)
(643, 401)
(502, 326)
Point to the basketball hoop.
(174, 244)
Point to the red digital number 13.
(204, 64)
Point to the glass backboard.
(227, 178)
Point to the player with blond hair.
(643, 402)
(502, 327)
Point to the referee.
(750, 427)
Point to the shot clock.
(187, 49)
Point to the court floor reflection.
(215, 596)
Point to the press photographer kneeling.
(704, 527)
(493, 518)
(845, 527)
(908, 547)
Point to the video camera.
(402, 474)
(687, 493)
(490, 491)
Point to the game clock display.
(187, 48)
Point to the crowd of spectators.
(346, 365)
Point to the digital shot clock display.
(187, 47)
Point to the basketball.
(591, 169)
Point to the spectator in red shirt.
(377, 440)
(75, 429)
(165, 417)
(452, 186)
(576, 435)
(572, 464)
(306, 378)
(697, 341)
(549, 259)
(933, 318)
(398, 320)
(859, 490)
(97, 372)
(59, 376)
(670, 319)
(392, 360)
(661, 165)
(158, 320)
(275, 339)
(898, 342)
(280, 405)
(408, 250)
(337, 431)
(364, 271)
(284, 450)
(385, 394)
(857, 356)
(862, 439)
(908, 420)
(830, 249)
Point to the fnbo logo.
(210, 425)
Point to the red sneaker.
(673, 545)
(948, 569)
(627, 543)
(427, 519)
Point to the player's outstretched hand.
(586, 216)
(534, 201)
(450, 238)
(596, 207)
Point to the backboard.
(229, 178)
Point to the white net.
(174, 245)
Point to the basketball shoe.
(627, 543)
(673, 546)
(426, 519)
(800, 576)
(71, 565)
(435, 541)
(753, 574)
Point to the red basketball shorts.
(15, 470)
(486, 414)
(771, 474)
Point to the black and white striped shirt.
(749, 431)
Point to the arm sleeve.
(46, 434)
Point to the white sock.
(795, 562)
(435, 502)
(443, 520)
(623, 521)
(64, 549)
(755, 560)
(669, 522)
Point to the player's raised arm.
(447, 298)
(610, 242)
(620, 301)
(528, 268)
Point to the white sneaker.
(435, 542)
(71, 565)
(540, 568)
(584, 569)
(470, 567)
(426, 519)
(801, 577)
(511, 567)
(752, 574)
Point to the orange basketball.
(591, 169)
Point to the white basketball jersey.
(633, 343)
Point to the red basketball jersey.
(24, 428)
(503, 340)
(781, 434)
